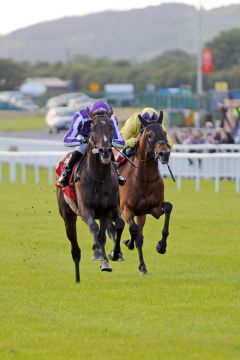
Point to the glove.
(118, 145)
(131, 142)
(84, 140)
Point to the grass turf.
(17, 121)
(187, 308)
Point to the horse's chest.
(104, 199)
(146, 203)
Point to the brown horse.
(143, 192)
(97, 193)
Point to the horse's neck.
(93, 164)
(147, 166)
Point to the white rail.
(207, 147)
(195, 166)
(20, 144)
(36, 159)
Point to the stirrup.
(121, 180)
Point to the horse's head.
(155, 138)
(101, 135)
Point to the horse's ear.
(160, 118)
(143, 122)
(89, 112)
(110, 112)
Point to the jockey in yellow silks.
(132, 127)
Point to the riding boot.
(64, 178)
(121, 179)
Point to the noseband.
(150, 147)
(96, 149)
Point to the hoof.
(105, 266)
(143, 270)
(116, 257)
(97, 256)
(129, 244)
(161, 247)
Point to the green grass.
(21, 121)
(187, 308)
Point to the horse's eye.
(150, 135)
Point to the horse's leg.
(89, 219)
(115, 234)
(102, 240)
(139, 244)
(70, 219)
(70, 225)
(133, 229)
(161, 245)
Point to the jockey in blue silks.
(77, 136)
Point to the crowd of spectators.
(209, 134)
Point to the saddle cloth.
(68, 191)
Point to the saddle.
(69, 190)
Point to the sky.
(15, 14)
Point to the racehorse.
(97, 195)
(143, 192)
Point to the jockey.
(132, 129)
(77, 135)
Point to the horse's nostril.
(101, 150)
(110, 150)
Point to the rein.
(143, 131)
(151, 157)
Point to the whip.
(127, 158)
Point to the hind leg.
(162, 245)
(115, 233)
(70, 219)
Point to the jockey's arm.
(117, 140)
(70, 138)
(131, 130)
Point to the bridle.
(150, 146)
(96, 149)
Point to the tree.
(226, 49)
(12, 74)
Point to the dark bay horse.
(97, 194)
(143, 192)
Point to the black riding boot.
(64, 178)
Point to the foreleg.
(162, 245)
(139, 244)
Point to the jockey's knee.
(82, 148)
